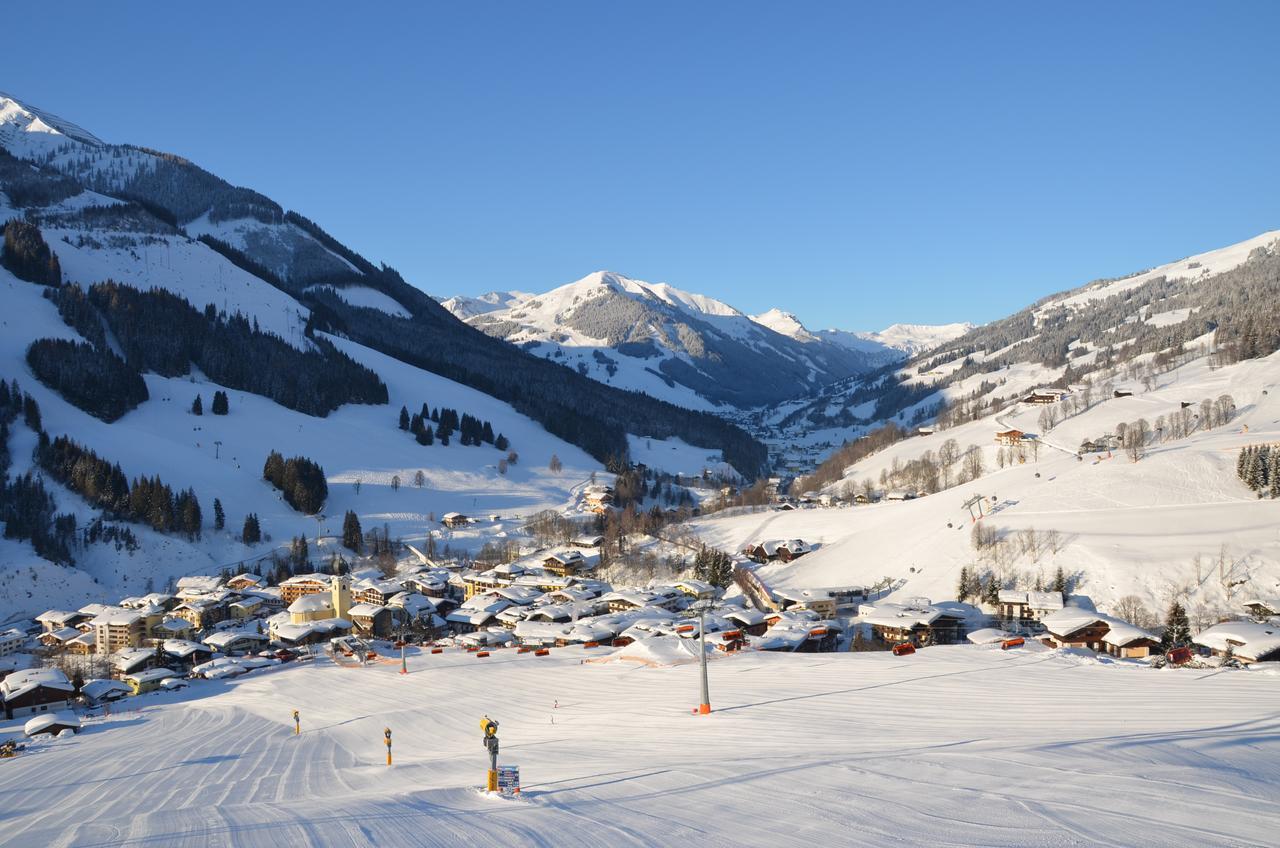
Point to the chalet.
(782, 550)
(52, 620)
(916, 621)
(698, 589)
(598, 498)
(236, 641)
(173, 628)
(1018, 606)
(375, 620)
(748, 620)
(313, 632)
(1042, 604)
(818, 601)
(1045, 396)
(376, 592)
(587, 542)
(245, 581)
(196, 585)
(432, 584)
(59, 638)
(1263, 608)
(103, 690)
(35, 690)
(900, 495)
(1247, 641)
(201, 614)
(118, 628)
(271, 597)
(84, 644)
(245, 608)
(11, 641)
(1010, 438)
(1012, 606)
(128, 660)
(183, 653)
(1073, 627)
(143, 682)
(453, 520)
(565, 563)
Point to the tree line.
(92, 379)
(27, 256)
(145, 500)
(161, 332)
(301, 481)
(1258, 467)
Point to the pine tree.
(1177, 628)
(404, 418)
(1273, 475)
(991, 591)
(252, 533)
(419, 479)
(352, 535)
(501, 442)
(219, 517)
(221, 403)
(1261, 469)
(1060, 582)
(962, 589)
(197, 406)
(1241, 459)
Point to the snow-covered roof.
(117, 617)
(1250, 640)
(312, 603)
(1070, 619)
(365, 610)
(64, 634)
(21, 682)
(221, 641)
(199, 583)
(1045, 600)
(902, 615)
(988, 635)
(183, 647)
(55, 616)
(150, 675)
(96, 690)
(1012, 596)
(1121, 633)
(41, 723)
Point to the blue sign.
(509, 780)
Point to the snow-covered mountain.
(316, 348)
(688, 348)
(897, 341)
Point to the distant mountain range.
(684, 347)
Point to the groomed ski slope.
(952, 746)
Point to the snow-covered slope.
(1123, 528)
(688, 348)
(820, 749)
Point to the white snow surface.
(369, 298)
(822, 749)
(1126, 528)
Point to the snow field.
(953, 746)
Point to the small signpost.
(509, 780)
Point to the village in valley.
(604, 426)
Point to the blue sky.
(856, 164)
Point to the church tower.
(340, 593)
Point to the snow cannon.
(489, 728)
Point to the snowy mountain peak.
(784, 323)
(20, 122)
(914, 338)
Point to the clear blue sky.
(856, 164)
